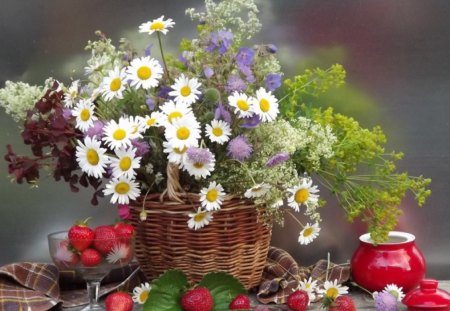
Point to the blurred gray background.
(396, 54)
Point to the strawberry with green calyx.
(197, 299)
(80, 235)
(105, 239)
(124, 231)
(340, 303)
(119, 301)
(298, 300)
(90, 257)
(240, 302)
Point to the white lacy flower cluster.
(18, 97)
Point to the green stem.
(162, 55)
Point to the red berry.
(197, 299)
(298, 300)
(90, 257)
(240, 302)
(81, 236)
(119, 301)
(124, 231)
(105, 239)
(342, 303)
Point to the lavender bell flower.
(148, 50)
(251, 122)
(244, 57)
(220, 41)
(150, 103)
(208, 72)
(164, 92)
(277, 159)
(222, 113)
(272, 81)
(239, 148)
(271, 48)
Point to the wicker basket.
(234, 242)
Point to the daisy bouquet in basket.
(221, 114)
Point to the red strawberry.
(298, 300)
(90, 257)
(240, 302)
(119, 301)
(342, 303)
(80, 235)
(124, 231)
(197, 299)
(105, 239)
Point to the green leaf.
(166, 292)
(223, 287)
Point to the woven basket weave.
(236, 241)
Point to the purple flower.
(220, 41)
(95, 130)
(272, 81)
(244, 57)
(271, 48)
(222, 113)
(235, 83)
(199, 155)
(142, 147)
(164, 92)
(208, 72)
(251, 122)
(126, 57)
(150, 103)
(247, 73)
(148, 50)
(124, 211)
(67, 113)
(277, 159)
(239, 148)
(385, 302)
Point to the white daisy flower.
(137, 126)
(395, 291)
(96, 64)
(257, 191)
(158, 24)
(144, 72)
(242, 104)
(154, 119)
(71, 96)
(265, 105)
(118, 135)
(122, 190)
(304, 193)
(309, 233)
(218, 131)
(172, 111)
(277, 204)
(331, 289)
(125, 163)
(113, 84)
(185, 90)
(141, 293)
(199, 219)
(84, 113)
(212, 197)
(183, 132)
(199, 162)
(175, 155)
(309, 286)
(120, 253)
(91, 158)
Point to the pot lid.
(427, 295)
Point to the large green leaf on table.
(223, 287)
(166, 292)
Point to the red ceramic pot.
(427, 297)
(397, 261)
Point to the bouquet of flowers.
(221, 117)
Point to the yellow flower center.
(307, 232)
(243, 105)
(183, 133)
(115, 85)
(199, 217)
(394, 293)
(92, 156)
(185, 91)
(125, 163)
(256, 188)
(119, 134)
(264, 105)
(122, 188)
(198, 165)
(151, 121)
(157, 26)
(301, 196)
(180, 151)
(143, 296)
(144, 72)
(174, 115)
(212, 195)
(85, 114)
(217, 131)
(332, 292)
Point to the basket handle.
(174, 188)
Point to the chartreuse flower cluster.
(218, 113)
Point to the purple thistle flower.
(272, 81)
(142, 147)
(235, 83)
(220, 41)
(95, 130)
(244, 57)
(67, 113)
(148, 50)
(208, 72)
(277, 159)
(385, 302)
(251, 122)
(124, 211)
(239, 148)
(199, 155)
(150, 103)
(222, 113)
